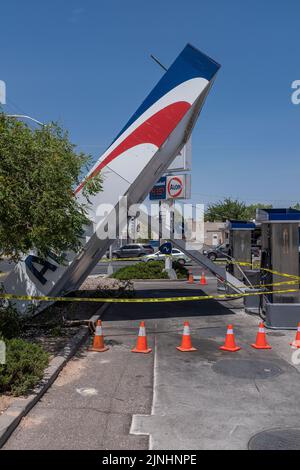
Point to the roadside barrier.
(98, 343)
(261, 339)
(186, 345)
(142, 343)
(230, 341)
(296, 343)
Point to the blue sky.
(86, 64)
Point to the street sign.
(2, 92)
(166, 248)
(159, 191)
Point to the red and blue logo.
(175, 187)
(165, 106)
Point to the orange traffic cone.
(203, 281)
(186, 345)
(142, 345)
(230, 341)
(296, 343)
(191, 278)
(261, 339)
(98, 343)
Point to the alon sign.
(172, 187)
(178, 187)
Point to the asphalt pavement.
(168, 400)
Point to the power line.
(17, 108)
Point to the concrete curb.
(11, 418)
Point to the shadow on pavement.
(144, 311)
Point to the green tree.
(232, 209)
(229, 209)
(251, 210)
(39, 170)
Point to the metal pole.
(21, 116)
(159, 63)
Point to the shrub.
(24, 368)
(181, 271)
(150, 270)
(10, 321)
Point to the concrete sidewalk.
(90, 406)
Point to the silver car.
(177, 255)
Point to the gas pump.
(240, 238)
(280, 254)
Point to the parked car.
(136, 250)
(222, 251)
(177, 255)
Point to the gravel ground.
(4, 403)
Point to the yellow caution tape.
(239, 263)
(277, 273)
(144, 300)
(296, 280)
(275, 284)
(107, 260)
